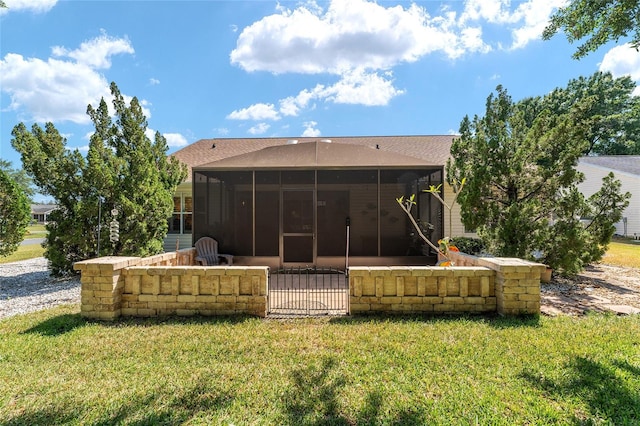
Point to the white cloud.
(96, 53)
(309, 129)
(255, 112)
(38, 6)
(222, 131)
(175, 140)
(59, 89)
(622, 60)
(525, 23)
(352, 34)
(360, 42)
(259, 128)
(535, 17)
(349, 34)
(154, 81)
(51, 90)
(361, 88)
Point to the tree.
(610, 114)
(521, 192)
(601, 21)
(15, 214)
(20, 177)
(124, 170)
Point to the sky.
(235, 69)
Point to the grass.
(35, 231)
(28, 251)
(24, 252)
(57, 368)
(623, 252)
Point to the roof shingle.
(433, 150)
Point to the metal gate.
(308, 291)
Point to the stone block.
(412, 300)
(401, 308)
(442, 286)
(421, 271)
(356, 286)
(514, 289)
(399, 291)
(388, 300)
(444, 308)
(183, 298)
(463, 282)
(474, 300)
(360, 307)
(186, 312)
(530, 297)
(379, 282)
(226, 299)
(423, 308)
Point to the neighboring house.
(626, 169)
(40, 212)
(278, 201)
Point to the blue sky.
(205, 69)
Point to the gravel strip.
(26, 286)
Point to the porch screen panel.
(267, 214)
(342, 194)
(199, 205)
(429, 208)
(223, 210)
(397, 235)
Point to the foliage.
(520, 162)
(15, 214)
(20, 177)
(610, 114)
(601, 21)
(58, 368)
(123, 170)
(468, 245)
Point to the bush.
(469, 245)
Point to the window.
(182, 218)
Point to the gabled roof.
(43, 208)
(622, 163)
(433, 150)
(323, 155)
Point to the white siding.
(171, 239)
(457, 228)
(630, 183)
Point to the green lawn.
(35, 231)
(25, 252)
(57, 368)
(623, 252)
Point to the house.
(279, 201)
(41, 212)
(626, 169)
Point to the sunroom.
(317, 204)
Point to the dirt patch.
(600, 288)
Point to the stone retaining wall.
(517, 281)
(422, 289)
(160, 285)
(169, 284)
